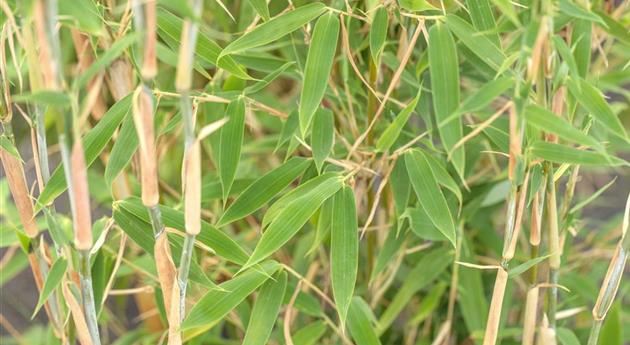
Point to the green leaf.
(425, 272)
(614, 27)
(360, 323)
(485, 95)
(274, 29)
(44, 97)
(293, 195)
(230, 144)
(55, 275)
(416, 5)
(593, 100)
(170, 30)
(263, 189)
(82, 14)
(216, 304)
(123, 150)
(258, 86)
(567, 337)
(212, 190)
(292, 218)
(8, 146)
(322, 136)
(444, 71)
(319, 61)
(261, 8)
(547, 121)
(344, 250)
(93, 144)
(513, 272)
(480, 45)
(565, 154)
(104, 60)
(421, 224)
(378, 32)
(592, 196)
(572, 9)
(443, 177)
(310, 334)
(265, 311)
(612, 330)
(429, 194)
(483, 19)
(428, 303)
(392, 132)
(210, 236)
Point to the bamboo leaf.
(293, 195)
(378, 32)
(344, 250)
(429, 194)
(416, 5)
(8, 146)
(258, 86)
(593, 100)
(104, 60)
(274, 29)
(44, 97)
(310, 334)
(82, 14)
(545, 120)
(263, 189)
(565, 154)
(123, 150)
(230, 144)
(54, 278)
(488, 52)
(360, 323)
(574, 10)
(265, 311)
(210, 236)
(515, 271)
(483, 19)
(392, 132)
(322, 136)
(425, 272)
(567, 337)
(319, 61)
(93, 144)
(444, 69)
(216, 304)
(170, 29)
(261, 8)
(292, 218)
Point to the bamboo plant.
(315, 172)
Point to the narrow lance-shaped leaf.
(106, 59)
(444, 71)
(593, 100)
(483, 19)
(261, 8)
(122, 151)
(545, 120)
(322, 136)
(292, 218)
(344, 250)
(425, 271)
(565, 154)
(392, 132)
(275, 28)
(263, 189)
(360, 323)
(265, 311)
(230, 144)
(378, 32)
(429, 194)
(216, 304)
(55, 276)
(479, 44)
(319, 61)
(295, 194)
(93, 143)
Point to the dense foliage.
(316, 172)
